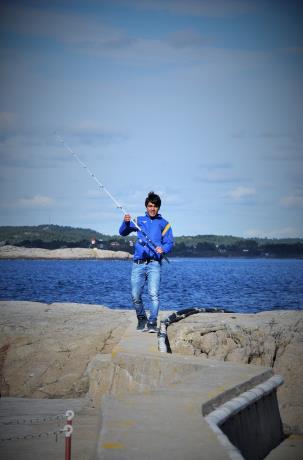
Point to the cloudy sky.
(200, 101)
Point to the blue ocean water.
(240, 285)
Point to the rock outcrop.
(65, 350)
(47, 351)
(272, 339)
(15, 252)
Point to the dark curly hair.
(152, 197)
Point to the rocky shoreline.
(65, 350)
(271, 339)
(16, 252)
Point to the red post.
(68, 435)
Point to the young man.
(147, 259)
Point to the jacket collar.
(157, 216)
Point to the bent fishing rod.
(104, 189)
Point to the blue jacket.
(158, 231)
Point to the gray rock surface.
(272, 339)
(15, 252)
(48, 351)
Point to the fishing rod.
(104, 189)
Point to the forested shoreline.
(56, 236)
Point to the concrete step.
(155, 426)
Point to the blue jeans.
(150, 272)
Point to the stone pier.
(157, 404)
(130, 401)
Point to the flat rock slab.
(45, 350)
(16, 252)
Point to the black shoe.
(142, 320)
(151, 327)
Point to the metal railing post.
(68, 435)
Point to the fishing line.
(104, 189)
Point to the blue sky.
(200, 101)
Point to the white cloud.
(241, 192)
(219, 173)
(186, 38)
(95, 194)
(211, 8)
(294, 50)
(292, 201)
(7, 120)
(87, 34)
(284, 232)
(89, 130)
(36, 201)
(171, 198)
(67, 28)
(220, 176)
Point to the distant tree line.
(246, 248)
(56, 236)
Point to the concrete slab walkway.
(153, 408)
(156, 403)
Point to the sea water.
(239, 285)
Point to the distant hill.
(48, 233)
(56, 236)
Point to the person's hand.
(159, 250)
(127, 218)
